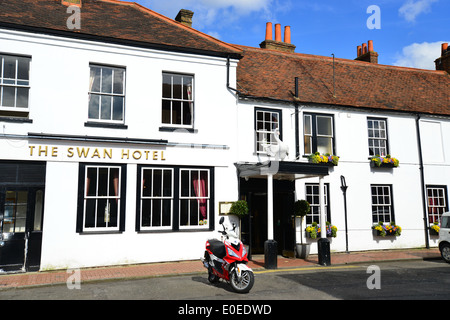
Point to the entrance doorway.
(255, 229)
(21, 213)
(22, 189)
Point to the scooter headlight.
(244, 252)
(232, 253)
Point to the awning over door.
(281, 170)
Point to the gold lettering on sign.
(70, 152)
(42, 150)
(98, 153)
(106, 153)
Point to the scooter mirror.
(221, 220)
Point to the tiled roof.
(111, 20)
(269, 74)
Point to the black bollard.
(270, 254)
(323, 247)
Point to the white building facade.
(119, 151)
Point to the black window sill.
(105, 125)
(178, 129)
(15, 120)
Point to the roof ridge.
(342, 60)
(173, 22)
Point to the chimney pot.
(371, 46)
(69, 3)
(278, 32)
(287, 34)
(269, 31)
(444, 48)
(359, 51)
(364, 48)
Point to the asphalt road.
(406, 280)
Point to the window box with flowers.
(325, 159)
(383, 161)
(384, 230)
(434, 229)
(313, 231)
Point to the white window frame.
(262, 135)
(153, 197)
(383, 204)
(436, 202)
(314, 214)
(313, 136)
(107, 197)
(111, 94)
(15, 83)
(191, 198)
(377, 136)
(190, 100)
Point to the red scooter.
(226, 259)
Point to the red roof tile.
(270, 74)
(111, 19)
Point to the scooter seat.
(217, 248)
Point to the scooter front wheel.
(244, 284)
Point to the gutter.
(422, 182)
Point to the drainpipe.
(422, 182)
(297, 132)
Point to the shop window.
(156, 199)
(267, 121)
(194, 198)
(175, 198)
(378, 138)
(318, 133)
(102, 202)
(382, 208)
(437, 203)
(14, 84)
(312, 196)
(177, 100)
(106, 94)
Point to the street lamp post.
(344, 191)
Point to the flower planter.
(382, 165)
(386, 230)
(383, 162)
(434, 232)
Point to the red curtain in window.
(200, 185)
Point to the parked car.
(444, 237)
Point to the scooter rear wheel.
(244, 284)
(212, 278)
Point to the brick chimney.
(366, 53)
(443, 63)
(278, 44)
(185, 17)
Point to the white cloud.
(208, 8)
(420, 55)
(412, 8)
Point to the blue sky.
(410, 32)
